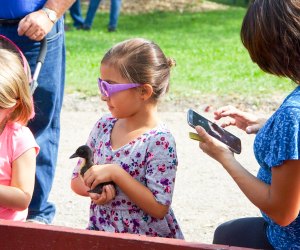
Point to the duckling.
(86, 153)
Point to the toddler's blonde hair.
(14, 88)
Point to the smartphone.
(233, 142)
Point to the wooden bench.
(20, 235)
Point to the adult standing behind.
(80, 23)
(76, 14)
(26, 23)
(271, 34)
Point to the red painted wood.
(30, 236)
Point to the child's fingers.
(90, 180)
(110, 191)
(99, 199)
(94, 196)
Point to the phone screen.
(233, 142)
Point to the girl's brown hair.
(271, 33)
(14, 87)
(141, 61)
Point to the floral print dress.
(151, 159)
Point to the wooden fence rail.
(30, 236)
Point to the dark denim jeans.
(45, 126)
(244, 232)
(75, 12)
(91, 12)
(115, 6)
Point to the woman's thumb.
(201, 132)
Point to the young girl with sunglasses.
(18, 148)
(131, 147)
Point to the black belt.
(8, 22)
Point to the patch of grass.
(206, 46)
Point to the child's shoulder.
(160, 139)
(19, 133)
(105, 120)
(161, 131)
(14, 126)
(16, 129)
(162, 128)
(19, 138)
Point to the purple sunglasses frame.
(108, 89)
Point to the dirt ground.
(143, 6)
(204, 196)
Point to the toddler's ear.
(146, 91)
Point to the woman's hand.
(108, 193)
(243, 120)
(213, 147)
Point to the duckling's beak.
(74, 155)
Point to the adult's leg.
(45, 126)
(90, 15)
(244, 232)
(75, 12)
(115, 7)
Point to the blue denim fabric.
(91, 12)
(75, 12)
(115, 7)
(48, 99)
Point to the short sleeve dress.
(151, 159)
(277, 141)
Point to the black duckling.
(86, 153)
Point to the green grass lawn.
(206, 46)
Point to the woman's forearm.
(256, 190)
(276, 200)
